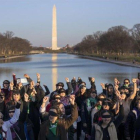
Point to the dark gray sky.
(32, 19)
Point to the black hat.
(106, 102)
(6, 82)
(16, 92)
(60, 84)
(82, 86)
(61, 90)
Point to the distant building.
(54, 30)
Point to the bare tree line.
(117, 40)
(10, 45)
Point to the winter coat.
(97, 133)
(130, 124)
(62, 125)
(7, 124)
(111, 130)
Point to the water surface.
(55, 67)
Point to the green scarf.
(99, 107)
(91, 100)
(53, 127)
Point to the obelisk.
(54, 29)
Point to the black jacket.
(131, 125)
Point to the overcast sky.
(32, 19)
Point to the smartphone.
(22, 80)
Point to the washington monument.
(54, 29)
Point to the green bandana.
(91, 100)
(99, 107)
(53, 127)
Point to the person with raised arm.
(126, 100)
(55, 128)
(107, 128)
(7, 126)
(61, 85)
(131, 131)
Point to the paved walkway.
(111, 61)
(11, 57)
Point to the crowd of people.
(31, 112)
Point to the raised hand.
(116, 81)
(103, 85)
(38, 76)
(67, 79)
(14, 74)
(92, 79)
(118, 94)
(26, 97)
(11, 85)
(72, 99)
(26, 75)
(134, 80)
(45, 99)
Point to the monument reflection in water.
(54, 71)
